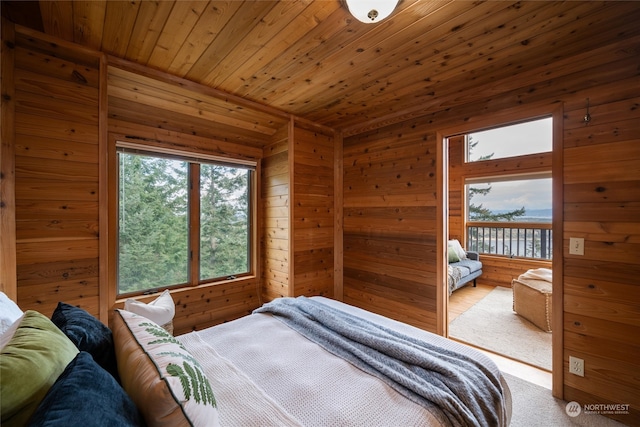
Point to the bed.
(298, 382)
(293, 362)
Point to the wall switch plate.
(576, 366)
(576, 246)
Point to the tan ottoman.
(532, 300)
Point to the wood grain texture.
(387, 90)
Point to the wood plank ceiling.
(314, 60)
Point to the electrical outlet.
(576, 246)
(576, 366)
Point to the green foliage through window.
(154, 207)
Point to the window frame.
(481, 171)
(126, 144)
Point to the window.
(509, 214)
(172, 210)
(509, 141)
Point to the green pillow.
(453, 255)
(29, 365)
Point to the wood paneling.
(313, 213)
(8, 275)
(313, 59)
(299, 215)
(389, 88)
(601, 203)
(56, 169)
(276, 237)
(389, 223)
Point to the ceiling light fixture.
(371, 11)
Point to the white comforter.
(265, 374)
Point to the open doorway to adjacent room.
(500, 211)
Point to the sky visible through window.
(516, 140)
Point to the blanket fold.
(466, 392)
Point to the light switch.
(576, 246)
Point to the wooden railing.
(512, 239)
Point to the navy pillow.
(85, 394)
(88, 334)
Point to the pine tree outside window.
(172, 210)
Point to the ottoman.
(532, 300)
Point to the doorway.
(464, 175)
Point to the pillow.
(161, 310)
(86, 393)
(88, 334)
(455, 245)
(9, 312)
(6, 336)
(452, 255)
(164, 380)
(29, 365)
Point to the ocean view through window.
(510, 214)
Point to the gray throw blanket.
(467, 393)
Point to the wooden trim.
(105, 296)
(290, 208)
(557, 300)
(338, 201)
(194, 224)
(196, 87)
(112, 232)
(59, 43)
(256, 227)
(442, 224)
(8, 267)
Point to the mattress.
(265, 373)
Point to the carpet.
(534, 406)
(493, 325)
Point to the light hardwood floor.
(462, 300)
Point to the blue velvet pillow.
(85, 394)
(88, 334)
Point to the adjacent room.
(505, 223)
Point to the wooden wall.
(390, 222)
(276, 238)
(71, 105)
(151, 109)
(600, 163)
(601, 201)
(57, 95)
(299, 214)
(313, 213)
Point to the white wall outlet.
(576, 366)
(576, 246)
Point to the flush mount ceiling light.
(371, 11)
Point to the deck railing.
(512, 239)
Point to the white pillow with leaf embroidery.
(164, 380)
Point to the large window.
(181, 220)
(506, 213)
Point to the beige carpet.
(493, 325)
(534, 406)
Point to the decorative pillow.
(88, 334)
(452, 255)
(86, 393)
(9, 312)
(161, 310)
(164, 380)
(457, 247)
(29, 365)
